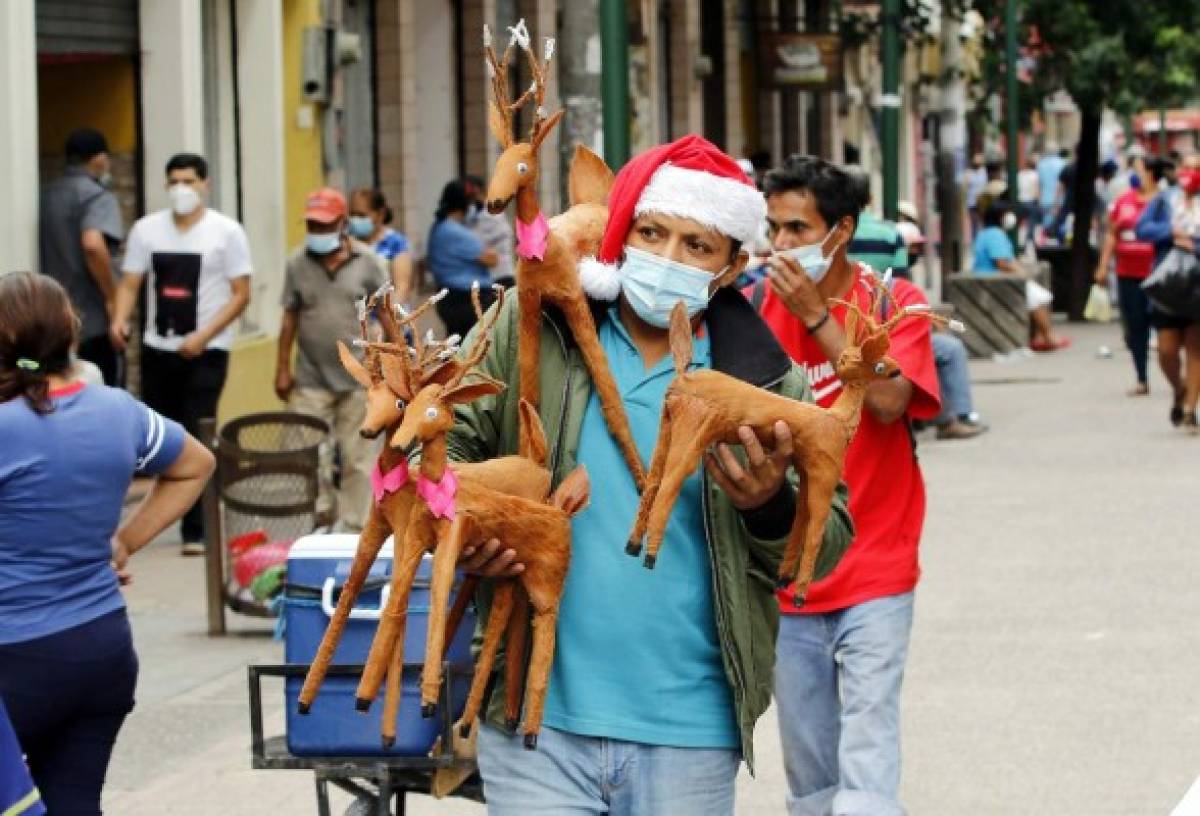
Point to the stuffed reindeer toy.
(549, 251)
(705, 407)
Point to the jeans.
(186, 391)
(99, 351)
(837, 690)
(954, 377)
(67, 695)
(572, 775)
(1135, 318)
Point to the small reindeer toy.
(705, 407)
(549, 251)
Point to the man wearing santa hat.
(841, 655)
(659, 676)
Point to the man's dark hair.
(830, 186)
(1159, 167)
(1064, 152)
(83, 143)
(993, 216)
(476, 181)
(454, 199)
(188, 161)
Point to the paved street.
(1055, 658)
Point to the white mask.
(1009, 222)
(811, 258)
(184, 199)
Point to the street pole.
(1012, 111)
(614, 81)
(889, 101)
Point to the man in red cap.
(324, 280)
(658, 676)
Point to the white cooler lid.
(333, 545)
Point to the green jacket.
(745, 548)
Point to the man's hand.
(752, 485)
(490, 561)
(283, 384)
(193, 346)
(1101, 276)
(118, 334)
(796, 289)
(1185, 242)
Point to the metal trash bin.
(266, 479)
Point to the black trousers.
(186, 391)
(100, 351)
(67, 695)
(457, 311)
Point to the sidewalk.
(1055, 655)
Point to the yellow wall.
(302, 146)
(101, 95)
(250, 386)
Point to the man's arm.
(239, 297)
(126, 296)
(283, 355)
(99, 265)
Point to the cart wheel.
(363, 807)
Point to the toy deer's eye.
(880, 368)
(522, 168)
(399, 405)
(431, 412)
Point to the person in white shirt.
(197, 262)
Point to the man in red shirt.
(840, 658)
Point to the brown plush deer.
(475, 513)
(705, 407)
(549, 251)
(392, 372)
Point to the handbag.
(1174, 285)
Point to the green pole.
(890, 103)
(614, 81)
(1011, 107)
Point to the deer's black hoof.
(650, 561)
(782, 583)
(388, 742)
(531, 742)
(304, 708)
(427, 710)
(511, 723)
(633, 548)
(464, 730)
(362, 705)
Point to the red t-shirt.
(1134, 258)
(887, 494)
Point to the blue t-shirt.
(390, 245)
(991, 244)
(637, 654)
(1049, 168)
(63, 478)
(453, 256)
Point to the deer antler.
(483, 335)
(500, 114)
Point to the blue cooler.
(317, 568)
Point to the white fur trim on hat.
(730, 207)
(600, 281)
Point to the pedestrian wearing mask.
(370, 217)
(80, 229)
(324, 280)
(458, 260)
(196, 262)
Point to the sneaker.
(190, 548)
(959, 429)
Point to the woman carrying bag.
(67, 664)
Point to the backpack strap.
(758, 294)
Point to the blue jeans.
(572, 775)
(837, 690)
(954, 377)
(1135, 315)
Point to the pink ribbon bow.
(439, 496)
(532, 238)
(385, 483)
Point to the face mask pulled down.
(653, 285)
(811, 258)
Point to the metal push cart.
(375, 781)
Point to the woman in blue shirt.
(457, 260)
(993, 251)
(370, 216)
(67, 664)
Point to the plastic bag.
(1099, 305)
(1174, 285)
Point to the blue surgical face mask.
(361, 226)
(322, 243)
(811, 258)
(653, 285)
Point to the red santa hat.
(688, 178)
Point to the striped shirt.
(878, 244)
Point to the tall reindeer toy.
(705, 407)
(549, 252)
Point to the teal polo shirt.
(637, 656)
